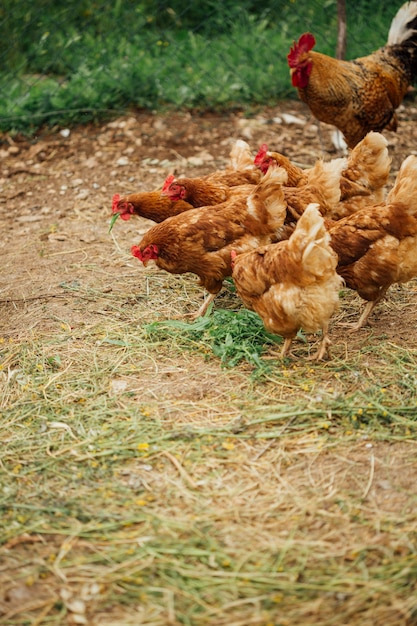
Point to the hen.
(157, 205)
(149, 204)
(362, 181)
(322, 187)
(360, 95)
(292, 284)
(200, 240)
(264, 158)
(218, 186)
(377, 245)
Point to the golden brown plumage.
(200, 240)
(201, 191)
(149, 204)
(362, 182)
(360, 95)
(217, 186)
(321, 187)
(157, 206)
(377, 245)
(293, 284)
(264, 158)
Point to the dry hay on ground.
(144, 483)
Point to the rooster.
(377, 245)
(292, 284)
(200, 240)
(360, 95)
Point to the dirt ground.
(56, 191)
(62, 269)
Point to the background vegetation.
(65, 63)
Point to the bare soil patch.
(56, 195)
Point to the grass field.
(73, 65)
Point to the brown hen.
(293, 284)
(377, 245)
(200, 240)
(362, 181)
(217, 186)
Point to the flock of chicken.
(291, 237)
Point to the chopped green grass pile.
(233, 336)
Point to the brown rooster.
(200, 240)
(377, 245)
(360, 95)
(292, 284)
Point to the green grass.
(71, 74)
(229, 335)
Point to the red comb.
(115, 203)
(169, 179)
(136, 251)
(305, 44)
(261, 154)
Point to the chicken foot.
(324, 348)
(203, 308)
(369, 307)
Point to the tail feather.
(241, 156)
(369, 162)
(310, 242)
(267, 202)
(405, 187)
(403, 29)
(326, 176)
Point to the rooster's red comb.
(261, 154)
(169, 179)
(115, 203)
(304, 44)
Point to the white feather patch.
(398, 32)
